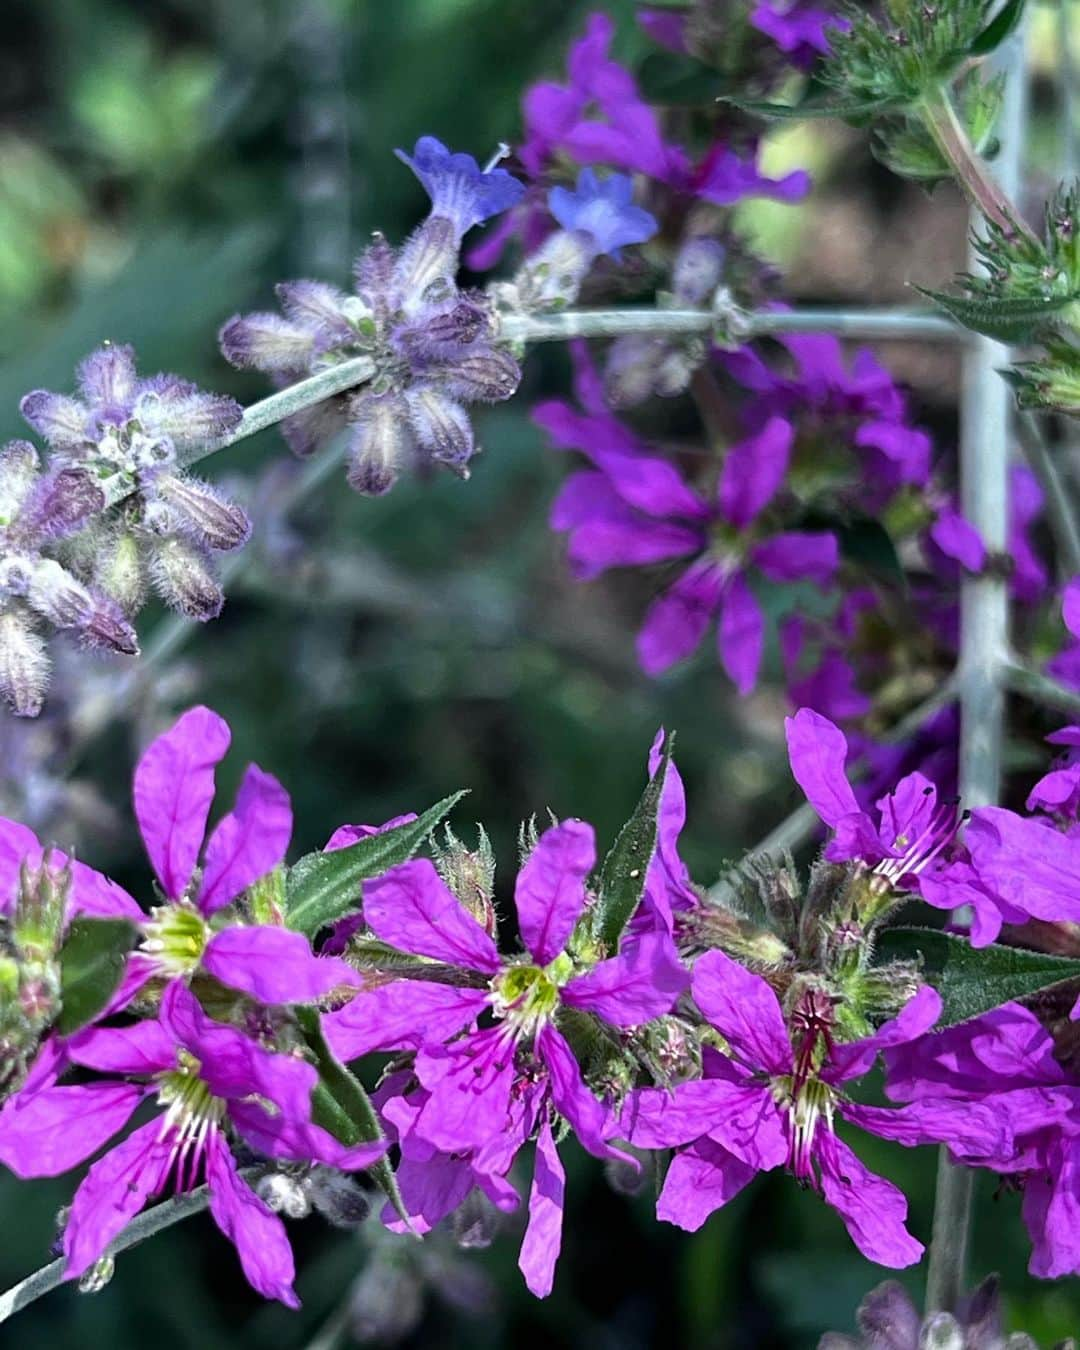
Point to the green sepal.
(621, 882)
(973, 980)
(322, 887)
(1009, 319)
(848, 110)
(341, 1105)
(91, 967)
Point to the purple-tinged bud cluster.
(433, 344)
(131, 436)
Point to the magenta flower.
(92, 893)
(173, 792)
(211, 1081)
(478, 1080)
(799, 29)
(774, 1103)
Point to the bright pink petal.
(543, 1236)
(274, 965)
(591, 1120)
(818, 753)
(143, 1048)
(401, 1015)
(56, 1128)
(258, 1235)
(916, 1018)
(174, 786)
(745, 1011)
(700, 1180)
(741, 636)
(247, 843)
(754, 470)
(16, 843)
(413, 909)
(874, 1211)
(641, 983)
(550, 889)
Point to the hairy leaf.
(1010, 319)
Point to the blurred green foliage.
(160, 166)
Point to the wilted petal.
(274, 965)
(641, 983)
(401, 1015)
(46, 1132)
(700, 1180)
(744, 1010)
(543, 1236)
(874, 1211)
(411, 908)
(550, 890)
(247, 843)
(754, 470)
(174, 786)
(258, 1235)
(818, 752)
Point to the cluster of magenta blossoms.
(738, 1043)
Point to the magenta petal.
(972, 1132)
(700, 1180)
(818, 752)
(810, 555)
(641, 983)
(247, 843)
(411, 908)
(678, 618)
(345, 835)
(56, 1128)
(16, 843)
(874, 1211)
(274, 965)
(591, 1120)
(99, 896)
(1070, 606)
(401, 1015)
(543, 1236)
(470, 1084)
(741, 635)
(143, 1048)
(1052, 1214)
(958, 539)
(174, 786)
(753, 471)
(258, 1235)
(1026, 863)
(430, 1190)
(115, 1189)
(745, 1011)
(91, 892)
(662, 1118)
(550, 889)
(916, 1018)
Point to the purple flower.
(1057, 793)
(211, 1081)
(604, 210)
(798, 29)
(773, 1103)
(889, 1320)
(478, 1081)
(725, 177)
(460, 190)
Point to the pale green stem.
(1042, 689)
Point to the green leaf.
(1011, 319)
(973, 980)
(91, 964)
(321, 887)
(341, 1105)
(622, 875)
(998, 29)
(853, 109)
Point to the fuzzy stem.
(148, 1223)
(1039, 688)
(985, 428)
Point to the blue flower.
(459, 189)
(603, 210)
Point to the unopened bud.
(24, 666)
(94, 1280)
(204, 511)
(18, 469)
(59, 504)
(551, 277)
(487, 375)
(942, 1332)
(475, 1223)
(40, 906)
(440, 425)
(266, 342)
(698, 269)
(386, 1303)
(428, 262)
(338, 1198)
(284, 1194)
(57, 596)
(630, 372)
(470, 874)
(381, 445)
(182, 576)
(119, 571)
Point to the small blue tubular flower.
(460, 190)
(604, 210)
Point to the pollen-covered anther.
(526, 997)
(175, 936)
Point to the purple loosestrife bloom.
(173, 792)
(137, 432)
(478, 1080)
(798, 29)
(1007, 1062)
(634, 508)
(1057, 793)
(211, 1080)
(773, 1103)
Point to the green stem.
(1039, 688)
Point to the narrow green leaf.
(973, 980)
(998, 29)
(1013, 319)
(854, 109)
(321, 887)
(341, 1105)
(622, 875)
(91, 964)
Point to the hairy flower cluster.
(432, 344)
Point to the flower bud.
(629, 375)
(373, 273)
(427, 263)
(698, 269)
(107, 629)
(60, 419)
(470, 874)
(381, 445)
(486, 375)
(386, 1303)
(60, 503)
(475, 1223)
(266, 341)
(40, 906)
(119, 571)
(440, 425)
(18, 470)
(15, 574)
(24, 665)
(204, 512)
(57, 596)
(314, 304)
(177, 415)
(95, 1279)
(338, 1198)
(551, 277)
(181, 574)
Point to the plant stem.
(867, 325)
(1039, 688)
(148, 1223)
(1060, 505)
(979, 185)
(986, 406)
